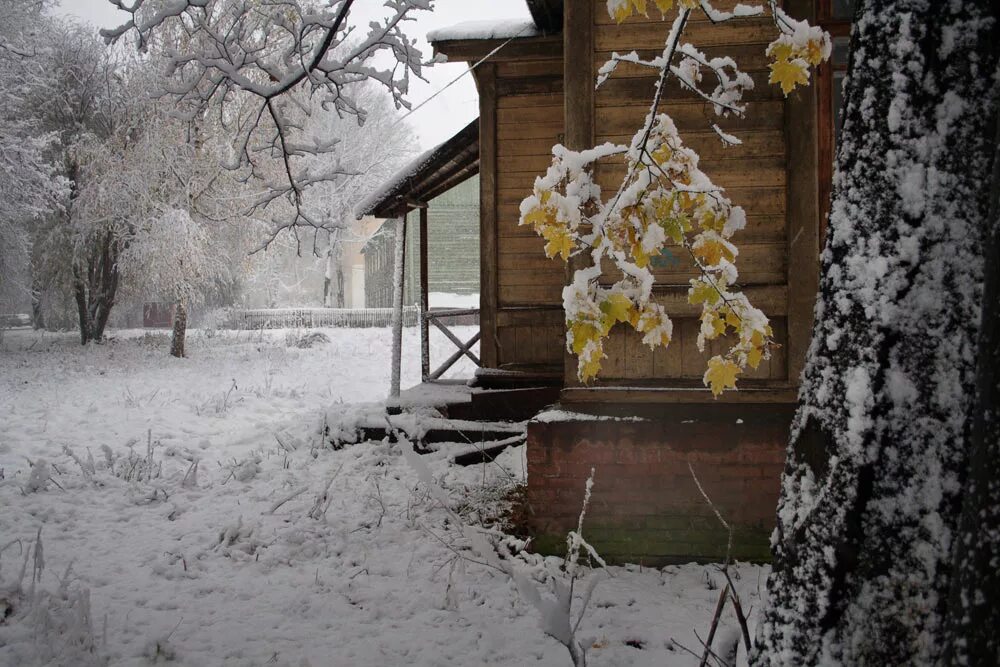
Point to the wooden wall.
(755, 176)
(529, 330)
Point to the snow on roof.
(486, 30)
(398, 179)
(398, 182)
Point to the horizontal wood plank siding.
(530, 330)
(754, 175)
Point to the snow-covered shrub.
(306, 340)
(41, 626)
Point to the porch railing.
(434, 317)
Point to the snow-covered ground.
(358, 566)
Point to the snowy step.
(486, 452)
(374, 422)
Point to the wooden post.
(425, 343)
(579, 112)
(489, 254)
(802, 216)
(397, 304)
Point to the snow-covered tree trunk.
(180, 330)
(875, 474)
(974, 606)
(333, 281)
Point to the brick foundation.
(645, 506)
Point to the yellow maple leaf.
(559, 242)
(814, 52)
(582, 333)
(789, 73)
(536, 217)
(625, 9)
(780, 50)
(618, 307)
(716, 325)
(721, 375)
(589, 368)
(711, 251)
(664, 5)
(754, 356)
(702, 292)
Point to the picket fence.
(308, 318)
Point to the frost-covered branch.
(266, 70)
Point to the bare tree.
(253, 63)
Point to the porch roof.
(431, 174)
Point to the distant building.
(453, 249)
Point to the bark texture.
(180, 330)
(974, 606)
(95, 285)
(873, 484)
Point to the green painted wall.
(453, 249)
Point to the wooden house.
(648, 426)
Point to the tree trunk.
(37, 314)
(180, 330)
(872, 486)
(82, 311)
(974, 604)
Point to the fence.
(464, 348)
(306, 318)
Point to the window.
(835, 17)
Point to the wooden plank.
(653, 15)
(749, 58)
(804, 208)
(523, 48)
(524, 163)
(776, 393)
(756, 201)
(535, 85)
(624, 91)
(756, 144)
(767, 172)
(526, 255)
(632, 36)
(520, 69)
(759, 229)
(528, 101)
(529, 114)
(550, 128)
(640, 360)
(614, 363)
(529, 295)
(538, 315)
(692, 115)
(578, 50)
(506, 345)
(512, 147)
(488, 279)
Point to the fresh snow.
(452, 300)
(485, 30)
(278, 550)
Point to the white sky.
(438, 120)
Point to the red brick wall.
(645, 505)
